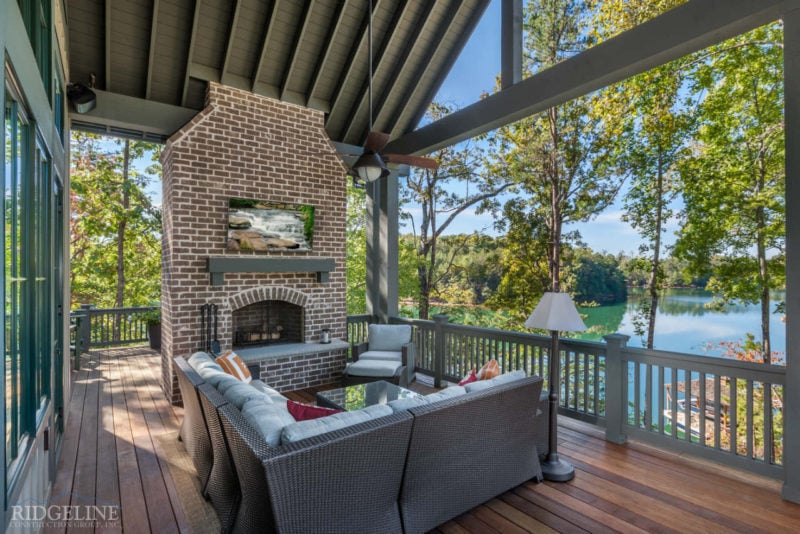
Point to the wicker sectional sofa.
(406, 469)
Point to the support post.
(439, 346)
(615, 394)
(511, 43)
(85, 333)
(791, 391)
(382, 248)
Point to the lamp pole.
(555, 312)
(554, 468)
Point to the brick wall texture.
(247, 146)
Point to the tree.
(653, 127)
(459, 183)
(115, 230)
(356, 246)
(734, 182)
(560, 158)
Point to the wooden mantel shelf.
(218, 266)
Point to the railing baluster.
(732, 419)
(701, 405)
(750, 435)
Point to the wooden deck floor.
(111, 454)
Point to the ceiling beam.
(336, 97)
(231, 37)
(433, 51)
(190, 51)
(377, 63)
(107, 81)
(401, 63)
(686, 29)
(511, 43)
(298, 41)
(152, 51)
(433, 90)
(323, 59)
(267, 32)
(121, 112)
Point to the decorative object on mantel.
(555, 312)
(325, 338)
(218, 266)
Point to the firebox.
(268, 322)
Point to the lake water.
(683, 323)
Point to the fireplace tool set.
(209, 314)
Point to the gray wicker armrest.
(193, 431)
(409, 361)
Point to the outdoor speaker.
(81, 97)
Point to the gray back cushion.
(496, 381)
(390, 337)
(314, 427)
(267, 418)
(201, 360)
(240, 393)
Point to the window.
(30, 303)
(36, 14)
(16, 140)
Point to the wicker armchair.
(388, 355)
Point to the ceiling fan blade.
(414, 161)
(376, 141)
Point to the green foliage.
(97, 199)
(734, 181)
(150, 316)
(356, 246)
(593, 277)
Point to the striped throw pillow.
(232, 364)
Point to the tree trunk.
(652, 285)
(424, 300)
(763, 272)
(123, 222)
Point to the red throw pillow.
(304, 412)
(471, 377)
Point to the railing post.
(85, 333)
(615, 396)
(439, 348)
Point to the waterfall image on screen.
(261, 226)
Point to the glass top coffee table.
(363, 395)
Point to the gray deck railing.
(107, 327)
(734, 409)
(718, 408)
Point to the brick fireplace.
(247, 146)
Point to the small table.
(363, 395)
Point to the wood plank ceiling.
(308, 52)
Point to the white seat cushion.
(385, 355)
(373, 368)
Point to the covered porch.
(120, 446)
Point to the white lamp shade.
(556, 311)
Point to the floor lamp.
(555, 312)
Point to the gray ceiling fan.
(371, 163)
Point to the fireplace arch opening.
(268, 322)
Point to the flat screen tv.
(263, 226)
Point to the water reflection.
(683, 323)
